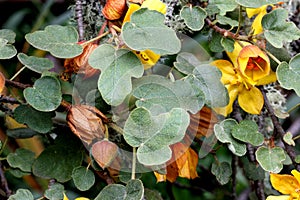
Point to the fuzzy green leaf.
(288, 138)
(223, 134)
(21, 194)
(7, 38)
(255, 3)
(45, 95)
(36, 120)
(22, 159)
(117, 67)
(159, 95)
(21, 133)
(247, 131)
(141, 33)
(133, 190)
(288, 75)
(186, 62)
(224, 5)
(226, 20)
(270, 159)
(55, 192)
(193, 17)
(36, 64)
(154, 134)
(228, 44)
(83, 178)
(277, 30)
(222, 171)
(8, 35)
(60, 41)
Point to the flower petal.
(155, 5)
(228, 73)
(286, 184)
(296, 174)
(251, 100)
(233, 91)
(253, 64)
(268, 79)
(281, 197)
(147, 57)
(132, 8)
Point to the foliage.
(180, 97)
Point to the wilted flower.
(250, 67)
(147, 57)
(114, 9)
(86, 122)
(80, 64)
(287, 185)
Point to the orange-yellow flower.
(147, 57)
(250, 67)
(286, 184)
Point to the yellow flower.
(250, 67)
(287, 185)
(147, 57)
(259, 12)
(79, 198)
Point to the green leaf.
(215, 43)
(154, 134)
(222, 171)
(45, 95)
(146, 30)
(133, 190)
(158, 94)
(223, 134)
(21, 133)
(207, 79)
(277, 30)
(228, 44)
(226, 20)
(193, 17)
(83, 178)
(22, 159)
(152, 195)
(36, 64)
(288, 75)
(186, 62)
(117, 67)
(58, 161)
(8, 35)
(224, 5)
(36, 120)
(270, 159)
(22, 194)
(7, 50)
(247, 131)
(55, 192)
(288, 138)
(18, 173)
(255, 3)
(60, 41)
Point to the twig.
(289, 149)
(16, 84)
(6, 99)
(4, 183)
(79, 19)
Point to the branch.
(16, 84)
(6, 99)
(289, 149)
(4, 183)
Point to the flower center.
(256, 63)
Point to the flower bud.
(114, 9)
(86, 122)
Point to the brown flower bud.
(104, 152)
(114, 9)
(80, 64)
(202, 123)
(86, 122)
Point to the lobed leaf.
(247, 131)
(45, 95)
(141, 33)
(222, 171)
(159, 95)
(117, 67)
(7, 38)
(154, 134)
(21, 194)
(83, 178)
(288, 75)
(224, 5)
(270, 159)
(36, 64)
(22, 159)
(55, 192)
(256, 3)
(223, 134)
(193, 17)
(277, 30)
(60, 41)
